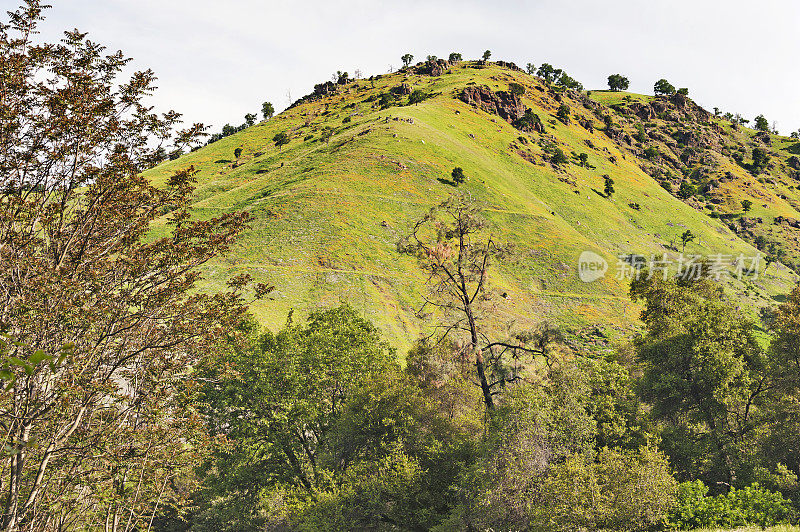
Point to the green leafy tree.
(267, 110)
(530, 68)
(761, 123)
(281, 139)
(703, 375)
(486, 55)
(563, 113)
(686, 237)
(747, 205)
(608, 186)
(618, 82)
(454, 58)
(547, 73)
(249, 119)
(760, 160)
(663, 87)
(417, 96)
(100, 318)
(683, 91)
(458, 175)
(237, 153)
(516, 88)
(406, 59)
(558, 157)
(583, 159)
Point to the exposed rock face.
(794, 162)
(643, 111)
(502, 103)
(432, 68)
(402, 89)
(764, 138)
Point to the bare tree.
(456, 250)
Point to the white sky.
(217, 60)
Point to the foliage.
(618, 82)
(516, 88)
(486, 55)
(663, 87)
(761, 123)
(458, 175)
(621, 490)
(752, 505)
(101, 320)
(267, 110)
(563, 113)
(281, 139)
(406, 59)
(608, 186)
(454, 58)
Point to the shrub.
(751, 506)
(621, 490)
(516, 88)
(559, 157)
(237, 153)
(458, 175)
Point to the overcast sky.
(218, 60)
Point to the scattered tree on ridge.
(267, 110)
(663, 87)
(486, 55)
(618, 82)
(407, 58)
(454, 58)
(530, 68)
(249, 119)
(761, 123)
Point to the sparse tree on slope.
(456, 251)
(407, 58)
(486, 55)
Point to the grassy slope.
(326, 217)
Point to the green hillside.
(327, 213)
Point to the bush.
(621, 490)
(516, 88)
(753, 506)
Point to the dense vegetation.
(133, 400)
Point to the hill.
(363, 163)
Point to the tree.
(100, 318)
(237, 153)
(559, 157)
(618, 82)
(747, 205)
(432, 58)
(563, 113)
(683, 91)
(547, 73)
(686, 237)
(454, 58)
(703, 374)
(267, 110)
(249, 119)
(486, 55)
(761, 123)
(663, 87)
(583, 157)
(406, 59)
(417, 96)
(281, 139)
(530, 68)
(608, 185)
(455, 251)
(458, 175)
(516, 88)
(760, 160)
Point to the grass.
(780, 528)
(327, 216)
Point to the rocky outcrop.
(764, 138)
(401, 90)
(433, 67)
(508, 65)
(794, 162)
(501, 103)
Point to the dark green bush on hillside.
(750, 506)
(516, 88)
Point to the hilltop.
(363, 162)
